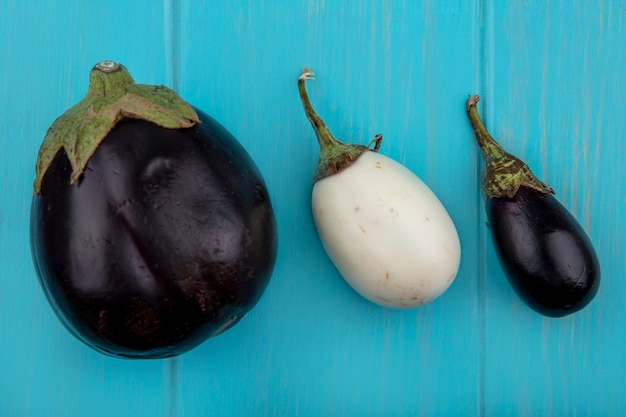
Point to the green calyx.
(503, 173)
(112, 96)
(335, 156)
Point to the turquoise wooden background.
(552, 77)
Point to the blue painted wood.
(48, 50)
(313, 347)
(557, 100)
(551, 77)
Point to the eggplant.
(544, 252)
(151, 227)
(383, 228)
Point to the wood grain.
(551, 76)
(558, 102)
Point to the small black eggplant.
(151, 227)
(544, 252)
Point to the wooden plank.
(312, 346)
(551, 76)
(557, 74)
(48, 51)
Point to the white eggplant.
(386, 232)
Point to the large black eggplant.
(151, 227)
(545, 253)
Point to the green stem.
(335, 156)
(489, 148)
(112, 96)
(108, 77)
(503, 173)
(324, 137)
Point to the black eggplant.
(151, 227)
(546, 255)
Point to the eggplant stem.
(307, 74)
(324, 137)
(334, 155)
(378, 139)
(112, 96)
(489, 148)
(108, 66)
(503, 173)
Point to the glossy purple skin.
(544, 252)
(167, 239)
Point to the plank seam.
(485, 64)
(172, 43)
(171, 373)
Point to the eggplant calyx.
(112, 97)
(335, 156)
(503, 173)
